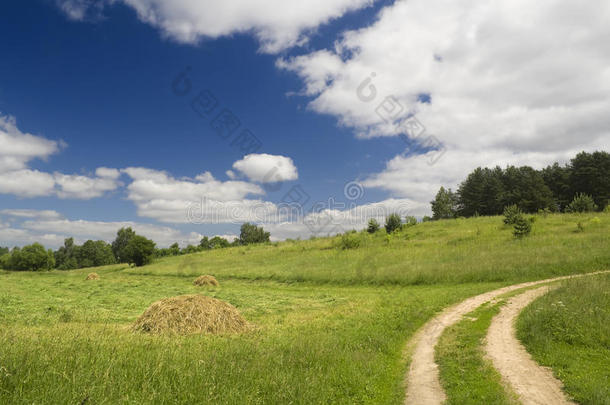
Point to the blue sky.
(88, 84)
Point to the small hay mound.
(93, 276)
(206, 280)
(190, 314)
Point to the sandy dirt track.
(422, 380)
(533, 384)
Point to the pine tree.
(522, 227)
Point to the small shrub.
(522, 227)
(373, 226)
(350, 241)
(511, 214)
(582, 203)
(596, 221)
(532, 219)
(392, 223)
(410, 221)
(607, 209)
(426, 219)
(580, 227)
(544, 212)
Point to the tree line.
(127, 247)
(583, 184)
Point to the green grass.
(569, 330)
(448, 251)
(331, 323)
(67, 341)
(466, 375)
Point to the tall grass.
(569, 330)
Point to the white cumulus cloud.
(266, 168)
(19, 148)
(278, 24)
(508, 81)
(202, 199)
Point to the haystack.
(206, 280)
(93, 276)
(189, 314)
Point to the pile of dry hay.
(206, 280)
(188, 314)
(93, 276)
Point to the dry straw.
(190, 314)
(206, 280)
(93, 276)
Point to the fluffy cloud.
(278, 24)
(33, 183)
(50, 228)
(25, 213)
(98, 230)
(27, 183)
(202, 199)
(18, 237)
(266, 168)
(85, 187)
(150, 184)
(19, 148)
(497, 82)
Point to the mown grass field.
(331, 324)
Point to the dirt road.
(422, 380)
(534, 385)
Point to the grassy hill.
(331, 323)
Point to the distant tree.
(4, 261)
(444, 205)
(590, 174)
(525, 187)
(93, 254)
(426, 218)
(32, 257)
(66, 257)
(123, 237)
(4, 250)
(218, 243)
(481, 193)
(190, 249)
(139, 250)
(488, 191)
(557, 179)
(163, 252)
(582, 203)
(250, 233)
(204, 244)
(392, 223)
(174, 249)
(373, 226)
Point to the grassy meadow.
(331, 323)
(569, 331)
